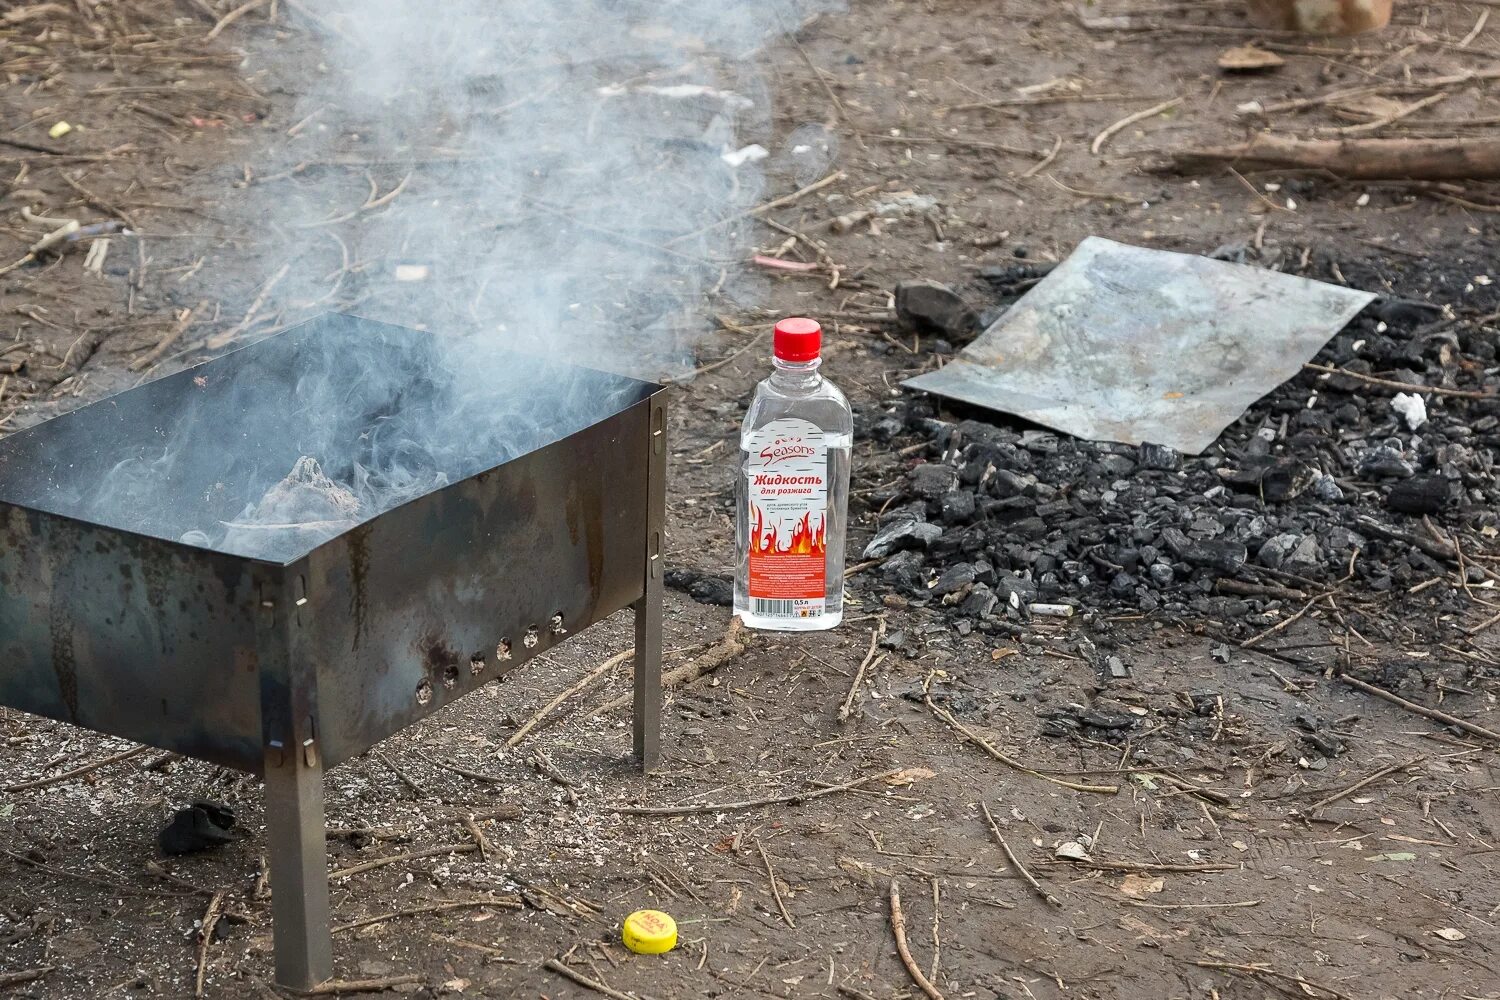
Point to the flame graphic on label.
(805, 540)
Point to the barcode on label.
(785, 609)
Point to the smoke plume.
(510, 175)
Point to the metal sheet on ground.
(1121, 343)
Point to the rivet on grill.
(502, 651)
(533, 636)
(476, 664)
(556, 624)
(424, 692)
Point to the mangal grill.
(287, 665)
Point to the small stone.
(902, 535)
(1161, 574)
(1117, 466)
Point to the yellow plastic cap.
(649, 932)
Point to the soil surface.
(1197, 846)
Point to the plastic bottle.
(793, 491)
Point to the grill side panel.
(407, 613)
(129, 636)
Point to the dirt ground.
(1211, 856)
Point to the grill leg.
(648, 608)
(648, 677)
(299, 867)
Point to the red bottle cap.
(798, 340)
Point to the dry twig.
(796, 798)
(1030, 879)
(1103, 137)
(1411, 706)
(76, 772)
(232, 17)
(498, 903)
(898, 925)
(1364, 782)
(1261, 970)
(859, 675)
(205, 938)
(1010, 762)
(335, 987)
(775, 890)
(547, 709)
(1385, 383)
(584, 981)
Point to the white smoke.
(557, 178)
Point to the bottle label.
(788, 496)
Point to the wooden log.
(1358, 159)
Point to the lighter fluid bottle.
(793, 491)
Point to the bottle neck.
(796, 374)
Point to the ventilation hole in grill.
(556, 624)
(450, 675)
(476, 664)
(424, 692)
(533, 636)
(502, 651)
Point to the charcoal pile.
(1330, 479)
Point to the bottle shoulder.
(823, 404)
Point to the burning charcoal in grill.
(1386, 461)
(306, 505)
(200, 826)
(705, 588)
(903, 534)
(1421, 495)
(1159, 456)
(1116, 466)
(933, 479)
(956, 507)
(1162, 574)
(1124, 584)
